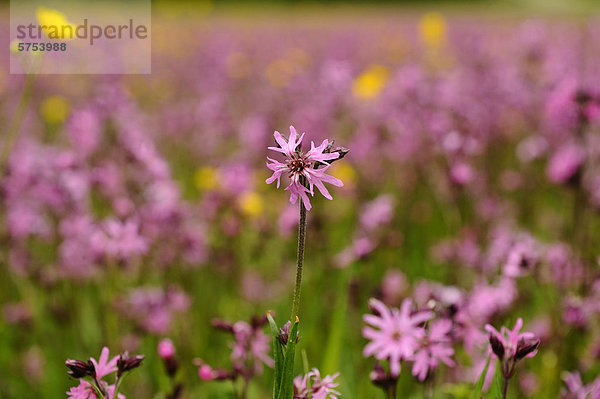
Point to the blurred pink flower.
(434, 348)
(511, 340)
(312, 386)
(299, 166)
(166, 349)
(565, 163)
(395, 334)
(251, 346)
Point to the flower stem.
(299, 262)
(504, 388)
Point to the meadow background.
(134, 208)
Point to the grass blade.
(287, 380)
(479, 384)
(277, 356)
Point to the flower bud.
(380, 378)
(127, 363)
(80, 369)
(284, 334)
(222, 325)
(497, 346)
(525, 347)
(166, 349)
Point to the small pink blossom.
(436, 347)
(166, 349)
(103, 365)
(300, 167)
(313, 386)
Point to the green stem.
(117, 386)
(299, 262)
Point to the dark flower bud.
(525, 347)
(497, 346)
(284, 334)
(127, 363)
(171, 365)
(332, 148)
(221, 325)
(80, 369)
(380, 378)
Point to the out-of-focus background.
(135, 208)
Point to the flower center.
(297, 165)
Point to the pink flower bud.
(166, 349)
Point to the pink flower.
(576, 389)
(251, 345)
(166, 349)
(103, 365)
(396, 333)
(565, 163)
(85, 391)
(511, 340)
(312, 386)
(435, 348)
(300, 167)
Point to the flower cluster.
(91, 374)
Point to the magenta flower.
(312, 386)
(85, 391)
(103, 365)
(166, 349)
(566, 163)
(436, 347)
(302, 168)
(251, 346)
(510, 346)
(396, 334)
(576, 389)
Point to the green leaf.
(277, 355)
(497, 386)
(479, 385)
(287, 380)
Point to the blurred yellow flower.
(238, 65)
(371, 82)
(251, 204)
(280, 72)
(55, 24)
(206, 178)
(432, 29)
(55, 109)
(344, 172)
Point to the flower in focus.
(312, 386)
(302, 168)
(436, 347)
(371, 82)
(394, 334)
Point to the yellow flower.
(280, 72)
(251, 204)
(371, 82)
(55, 24)
(344, 172)
(432, 29)
(206, 178)
(55, 109)
(238, 65)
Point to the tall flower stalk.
(305, 172)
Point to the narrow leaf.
(277, 356)
(287, 381)
(479, 384)
(497, 386)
